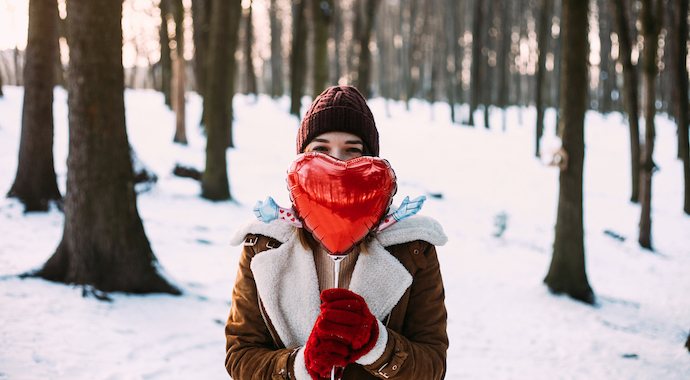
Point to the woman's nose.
(340, 154)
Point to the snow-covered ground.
(503, 323)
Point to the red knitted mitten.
(346, 318)
(321, 355)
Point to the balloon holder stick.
(336, 260)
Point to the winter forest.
(549, 136)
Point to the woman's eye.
(320, 149)
(355, 150)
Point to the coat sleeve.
(418, 349)
(251, 351)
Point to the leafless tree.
(651, 19)
(36, 184)
(567, 271)
(104, 244)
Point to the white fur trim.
(378, 349)
(416, 227)
(380, 279)
(301, 366)
(276, 229)
(288, 287)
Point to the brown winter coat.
(416, 325)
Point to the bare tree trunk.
(503, 64)
(179, 74)
(451, 21)
(298, 56)
(36, 184)
(337, 39)
(427, 63)
(18, 68)
(413, 71)
(322, 15)
(385, 41)
(476, 69)
(567, 271)
(557, 69)
(232, 44)
(667, 81)
(222, 45)
(681, 21)
(488, 70)
(165, 61)
(651, 18)
(276, 52)
(364, 69)
(60, 71)
(201, 13)
(104, 244)
(544, 34)
(607, 75)
(248, 51)
(403, 53)
(630, 95)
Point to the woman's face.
(340, 145)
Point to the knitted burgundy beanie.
(339, 109)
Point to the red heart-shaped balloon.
(340, 201)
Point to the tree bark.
(476, 68)
(179, 74)
(544, 34)
(567, 272)
(503, 64)
(36, 184)
(630, 96)
(364, 69)
(225, 18)
(104, 244)
(413, 69)
(298, 56)
(651, 21)
(487, 76)
(322, 14)
(248, 51)
(165, 61)
(232, 46)
(607, 74)
(201, 11)
(681, 21)
(337, 39)
(451, 21)
(276, 52)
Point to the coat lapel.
(288, 287)
(380, 279)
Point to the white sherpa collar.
(287, 283)
(416, 227)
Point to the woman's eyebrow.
(355, 142)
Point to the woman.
(388, 317)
